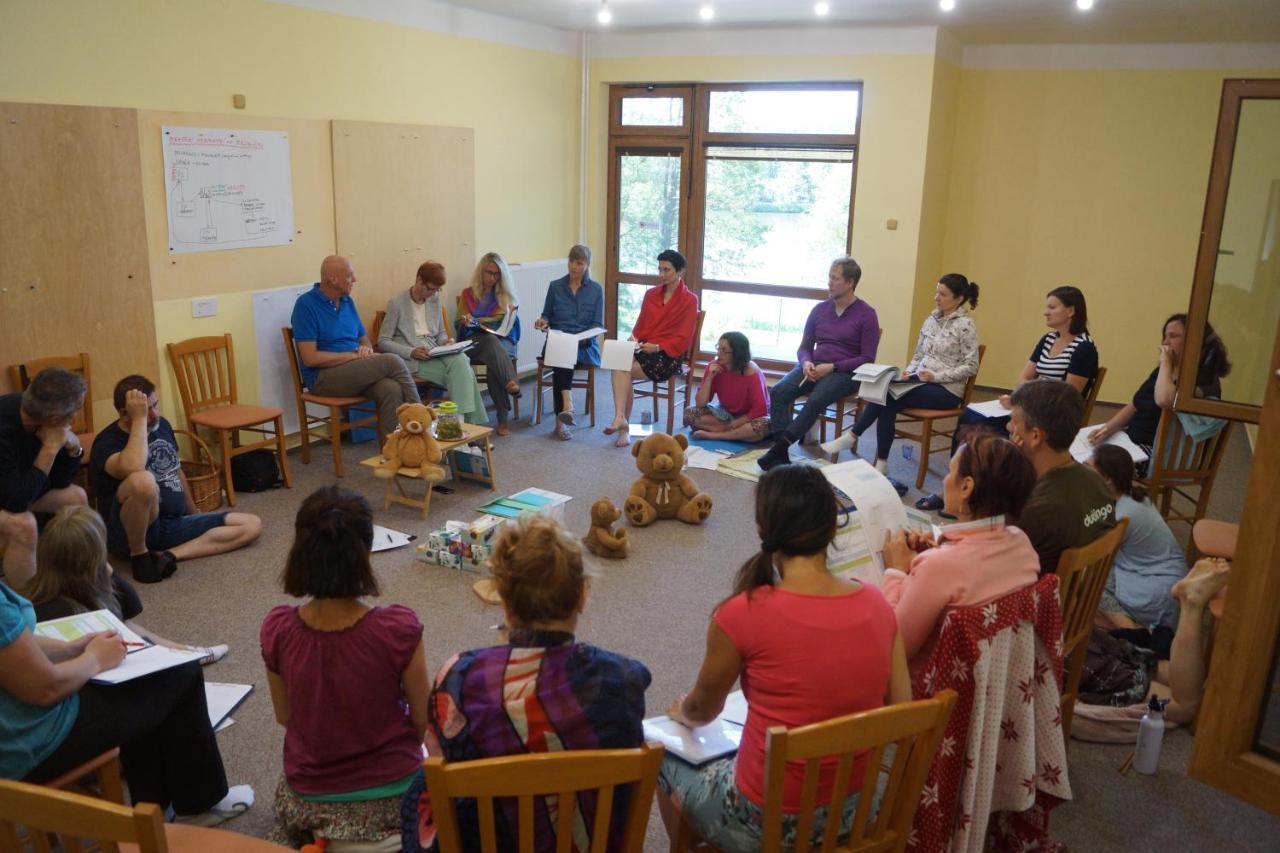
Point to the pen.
(134, 645)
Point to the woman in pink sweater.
(978, 559)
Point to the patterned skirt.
(658, 365)
(300, 821)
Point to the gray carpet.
(653, 606)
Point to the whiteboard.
(227, 189)
(272, 311)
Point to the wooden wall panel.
(74, 275)
(403, 194)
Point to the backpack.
(1116, 672)
(255, 471)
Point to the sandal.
(561, 433)
(930, 503)
(566, 418)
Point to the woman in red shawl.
(662, 334)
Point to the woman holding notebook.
(946, 356)
(785, 605)
(487, 317)
(663, 332)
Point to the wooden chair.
(667, 388)
(205, 369)
(926, 418)
(1082, 574)
(1092, 396)
(588, 384)
(559, 774)
(482, 372)
(75, 817)
(105, 772)
(913, 728)
(835, 414)
(336, 420)
(1179, 464)
(20, 376)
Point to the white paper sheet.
(735, 708)
(851, 556)
(702, 457)
(384, 538)
(449, 349)
(138, 662)
(875, 379)
(618, 355)
(1082, 449)
(222, 698)
(879, 508)
(562, 349)
(990, 409)
(696, 746)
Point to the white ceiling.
(972, 21)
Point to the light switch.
(891, 224)
(207, 307)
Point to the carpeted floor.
(653, 606)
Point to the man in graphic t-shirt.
(1069, 506)
(143, 496)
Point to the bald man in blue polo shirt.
(337, 358)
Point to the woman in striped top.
(1066, 353)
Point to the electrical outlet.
(207, 307)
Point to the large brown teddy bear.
(412, 445)
(602, 540)
(663, 491)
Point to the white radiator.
(531, 282)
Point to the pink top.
(741, 394)
(967, 568)
(787, 682)
(349, 725)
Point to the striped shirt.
(1079, 358)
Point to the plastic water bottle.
(908, 451)
(1146, 756)
(646, 418)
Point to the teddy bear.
(412, 445)
(602, 540)
(663, 491)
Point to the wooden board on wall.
(403, 194)
(75, 276)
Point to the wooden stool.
(471, 433)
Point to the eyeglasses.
(724, 350)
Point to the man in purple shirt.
(841, 334)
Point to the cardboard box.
(484, 530)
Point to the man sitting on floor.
(1070, 505)
(39, 457)
(143, 494)
(337, 358)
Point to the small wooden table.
(471, 433)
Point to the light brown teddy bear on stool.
(412, 445)
(663, 491)
(602, 540)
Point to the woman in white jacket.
(946, 356)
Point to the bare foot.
(513, 388)
(503, 429)
(701, 433)
(1205, 580)
(614, 426)
(623, 439)
(561, 433)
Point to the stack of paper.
(1082, 449)
(143, 657)
(449, 349)
(990, 409)
(875, 379)
(716, 739)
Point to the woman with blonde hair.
(73, 576)
(487, 316)
(541, 690)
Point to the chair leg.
(282, 452)
(671, 405)
(515, 401)
(591, 395)
(926, 445)
(306, 434)
(335, 438)
(537, 393)
(224, 443)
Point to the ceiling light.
(946, 5)
(706, 13)
(821, 9)
(1084, 5)
(604, 16)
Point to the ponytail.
(796, 516)
(961, 287)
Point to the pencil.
(1128, 763)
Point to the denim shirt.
(570, 312)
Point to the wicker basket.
(203, 476)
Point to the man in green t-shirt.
(1069, 506)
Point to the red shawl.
(670, 326)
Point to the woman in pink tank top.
(787, 627)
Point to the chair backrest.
(45, 810)
(1179, 460)
(1082, 573)
(973, 380)
(1092, 396)
(914, 728)
(562, 775)
(376, 329)
(695, 342)
(20, 376)
(205, 369)
(295, 369)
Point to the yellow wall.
(1091, 178)
(937, 187)
(186, 58)
(891, 160)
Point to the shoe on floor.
(779, 454)
(566, 418)
(898, 486)
(212, 654)
(930, 503)
(153, 566)
(239, 799)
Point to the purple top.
(847, 340)
(349, 726)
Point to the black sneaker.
(930, 503)
(898, 486)
(779, 454)
(153, 566)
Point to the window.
(753, 183)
